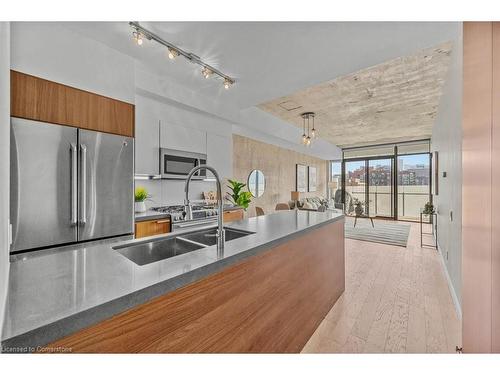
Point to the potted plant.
(237, 196)
(358, 207)
(428, 209)
(140, 196)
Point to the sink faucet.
(187, 205)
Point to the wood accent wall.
(42, 100)
(278, 165)
(481, 188)
(271, 302)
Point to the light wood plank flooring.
(396, 301)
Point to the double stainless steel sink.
(159, 249)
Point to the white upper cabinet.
(219, 154)
(183, 138)
(147, 141)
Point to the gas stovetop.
(177, 212)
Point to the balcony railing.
(380, 202)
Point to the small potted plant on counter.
(141, 195)
(238, 197)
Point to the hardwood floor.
(396, 301)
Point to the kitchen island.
(267, 292)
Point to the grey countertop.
(60, 292)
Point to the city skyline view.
(413, 181)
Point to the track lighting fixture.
(137, 37)
(309, 135)
(172, 53)
(208, 71)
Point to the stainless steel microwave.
(175, 164)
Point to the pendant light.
(311, 133)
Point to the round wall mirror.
(256, 183)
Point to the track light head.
(137, 37)
(206, 72)
(227, 83)
(172, 53)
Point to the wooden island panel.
(268, 303)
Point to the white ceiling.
(270, 59)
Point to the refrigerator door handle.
(74, 184)
(83, 208)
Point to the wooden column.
(481, 188)
(495, 196)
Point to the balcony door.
(413, 185)
(380, 187)
(391, 181)
(370, 181)
(355, 184)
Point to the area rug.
(386, 232)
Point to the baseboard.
(454, 296)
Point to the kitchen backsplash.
(170, 192)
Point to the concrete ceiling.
(269, 59)
(393, 101)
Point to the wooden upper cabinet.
(42, 100)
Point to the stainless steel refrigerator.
(68, 185)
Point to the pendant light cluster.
(139, 33)
(309, 133)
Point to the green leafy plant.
(237, 196)
(141, 194)
(358, 206)
(428, 209)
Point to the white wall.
(4, 162)
(447, 140)
(155, 102)
(51, 51)
(262, 126)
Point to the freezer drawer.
(106, 185)
(43, 184)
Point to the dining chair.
(282, 206)
(259, 211)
